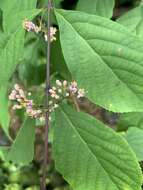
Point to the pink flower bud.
(17, 87)
(58, 82)
(65, 83)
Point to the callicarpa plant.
(54, 63)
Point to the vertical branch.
(43, 182)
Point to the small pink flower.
(65, 83)
(29, 103)
(59, 83)
(21, 93)
(73, 87)
(12, 97)
(53, 93)
(17, 87)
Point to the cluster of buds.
(21, 101)
(53, 31)
(65, 89)
(58, 93)
(31, 27)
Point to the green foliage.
(100, 47)
(103, 8)
(11, 54)
(11, 44)
(15, 12)
(13, 187)
(134, 137)
(106, 59)
(130, 120)
(133, 20)
(86, 152)
(22, 150)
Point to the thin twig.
(43, 182)
(75, 103)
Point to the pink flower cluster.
(22, 101)
(31, 27)
(58, 93)
(65, 89)
(53, 31)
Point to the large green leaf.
(15, 11)
(133, 20)
(102, 8)
(11, 51)
(22, 150)
(11, 55)
(91, 156)
(12, 7)
(10, 26)
(134, 137)
(104, 58)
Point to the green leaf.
(127, 120)
(12, 49)
(14, 12)
(92, 156)
(102, 8)
(16, 20)
(15, 6)
(4, 114)
(22, 150)
(134, 137)
(104, 58)
(11, 55)
(133, 20)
